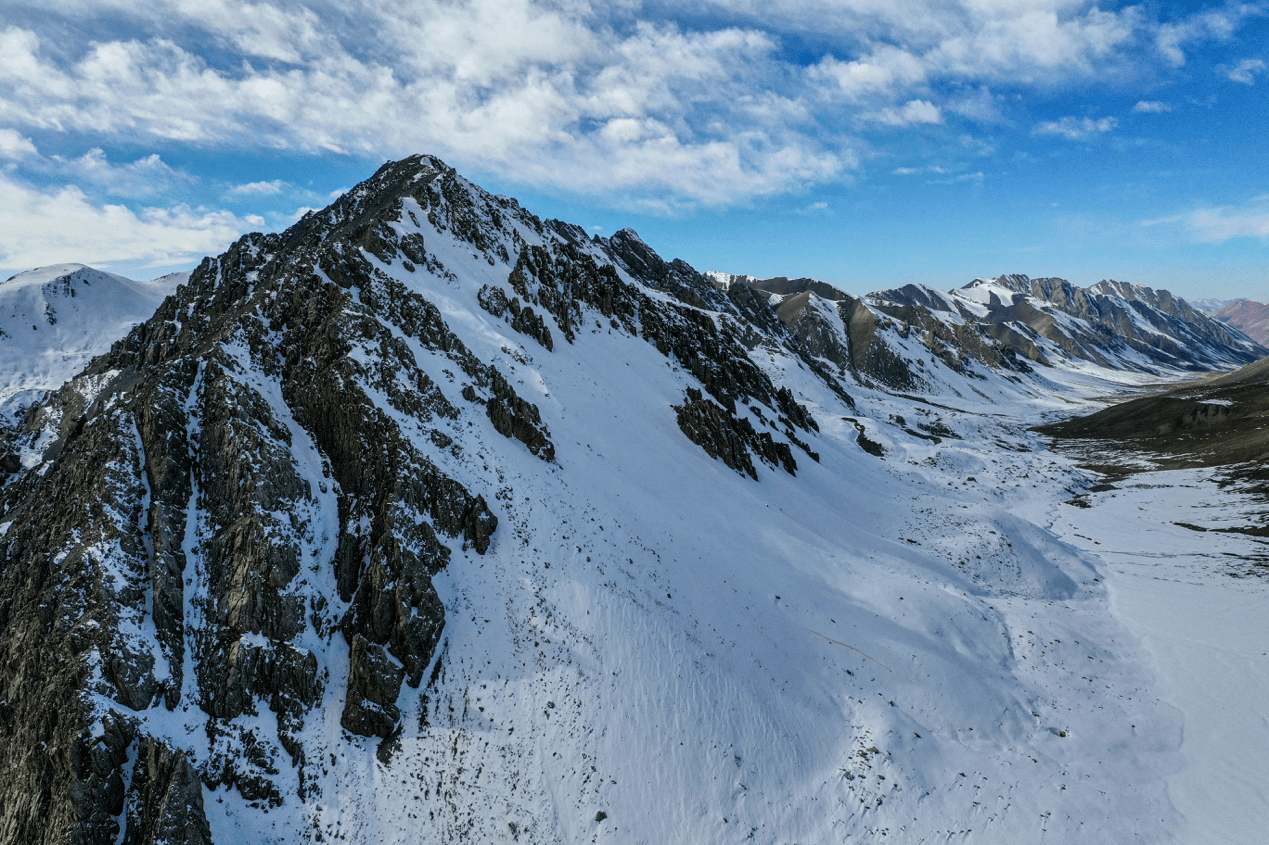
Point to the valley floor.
(1198, 601)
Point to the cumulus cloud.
(272, 187)
(1246, 71)
(1151, 107)
(40, 227)
(144, 177)
(614, 100)
(608, 99)
(1076, 128)
(880, 73)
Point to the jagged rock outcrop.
(729, 438)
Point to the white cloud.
(1223, 223)
(1075, 128)
(1209, 25)
(259, 189)
(144, 177)
(980, 105)
(1037, 45)
(613, 100)
(601, 98)
(40, 227)
(910, 113)
(884, 71)
(1151, 107)
(14, 145)
(1246, 70)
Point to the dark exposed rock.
(729, 438)
(374, 682)
(513, 417)
(166, 799)
(522, 318)
(866, 443)
(480, 525)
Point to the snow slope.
(1195, 595)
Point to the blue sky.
(862, 142)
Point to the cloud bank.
(641, 105)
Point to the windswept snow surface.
(54, 320)
(1197, 600)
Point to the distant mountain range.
(1008, 323)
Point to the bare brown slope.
(1220, 420)
(1252, 318)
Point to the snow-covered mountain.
(428, 520)
(1112, 324)
(1007, 324)
(54, 320)
(1210, 304)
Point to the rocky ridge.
(1005, 324)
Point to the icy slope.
(53, 320)
(429, 521)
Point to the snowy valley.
(427, 520)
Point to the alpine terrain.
(428, 520)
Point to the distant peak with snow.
(55, 319)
